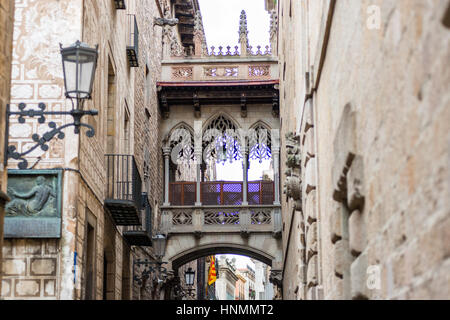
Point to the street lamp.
(151, 267)
(159, 246)
(189, 276)
(79, 64)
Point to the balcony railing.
(141, 235)
(123, 189)
(133, 41)
(226, 193)
(182, 193)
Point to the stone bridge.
(221, 90)
(193, 232)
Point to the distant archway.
(220, 248)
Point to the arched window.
(259, 143)
(221, 140)
(181, 142)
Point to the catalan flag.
(212, 275)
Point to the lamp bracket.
(150, 267)
(42, 141)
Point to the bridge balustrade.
(221, 193)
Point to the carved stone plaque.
(35, 207)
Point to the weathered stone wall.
(135, 96)
(30, 269)
(379, 97)
(37, 77)
(147, 139)
(6, 34)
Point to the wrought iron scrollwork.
(150, 268)
(42, 141)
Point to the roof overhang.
(197, 93)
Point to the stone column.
(244, 175)
(166, 153)
(275, 136)
(276, 175)
(198, 155)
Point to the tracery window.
(182, 144)
(221, 140)
(259, 143)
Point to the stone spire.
(274, 32)
(243, 33)
(200, 46)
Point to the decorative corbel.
(196, 104)
(243, 105)
(157, 21)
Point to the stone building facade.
(226, 279)
(6, 34)
(91, 258)
(365, 153)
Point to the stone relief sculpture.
(32, 202)
(292, 186)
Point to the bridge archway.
(222, 248)
(183, 248)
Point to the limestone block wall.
(6, 34)
(36, 76)
(391, 90)
(294, 69)
(147, 139)
(134, 98)
(375, 73)
(30, 269)
(91, 244)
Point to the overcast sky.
(221, 22)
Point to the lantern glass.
(79, 65)
(159, 245)
(189, 277)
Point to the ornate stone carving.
(259, 71)
(227, 72)
(243, 31)
(184, 73)
(221, 217)
(293, 189)
(273, 25)
(276, 277)
(182, 217)
(293, 181)
(173, 46)
(201, 47)
(261, 216)
(293, 157)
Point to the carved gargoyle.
(164, 21)
(293, 157)
(276, 278)
(292, 184)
